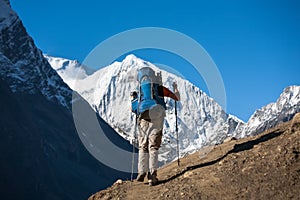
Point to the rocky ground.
(266, 166)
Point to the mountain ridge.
(27, 60)
(274, 113)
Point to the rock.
(119, 182)
(247, 169)
(221, 162)
(229, 139)
(188, 174)
(279, 148)
(295, 125)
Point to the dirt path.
(262, 167)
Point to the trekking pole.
(177, 139)
(133, 153)
(176, 129)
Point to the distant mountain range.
(201, 120)
(286, 106)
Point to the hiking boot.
(152, 180)
(141, 177)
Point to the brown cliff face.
(261, 167)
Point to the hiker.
(149, 105)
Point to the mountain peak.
(7, 2)
(130, 57)
(133, 62)
(27, 71)
(293, 92)
(272, 114)
(292, 88)
(108, 91)
(70, 70)
(7, 15)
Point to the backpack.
(148, 101)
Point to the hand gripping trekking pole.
(176, 127)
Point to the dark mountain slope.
(41, 155)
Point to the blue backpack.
(149, 96)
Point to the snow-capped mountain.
(28, 70)
(201, 120)
(71, 70)
(272, 114)
(42, 156)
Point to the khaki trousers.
(150, 135)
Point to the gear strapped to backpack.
(149, 100)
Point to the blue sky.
(255, 44)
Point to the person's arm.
(168, 93)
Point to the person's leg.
(154, 144)
(143, 161)
(155, 138)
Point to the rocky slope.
(266, 166)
